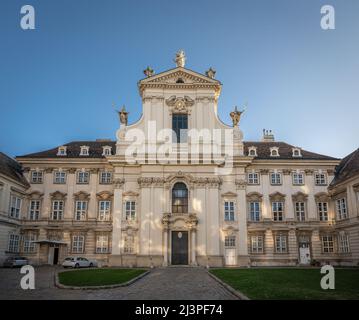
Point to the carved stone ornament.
(180, 104)
(241, 183)
(123, 115)
(148, 72)
(236, 116)
(210, 73)
(118, 182)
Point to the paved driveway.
(163, 283)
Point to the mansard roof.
(73, 150)
(12, 169)
(285, 151)
(347, 168)
(96, 151)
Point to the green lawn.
(98, 277)
(290, 283)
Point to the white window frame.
(106, 151)
(37, 176)
(320, 179)
(84, 151)
(78, 244)
(252, 152)
(34, 209)
(57, 209)
(29, 245)
(13, 243)
(60, 177)
(230, 241)
(129, 244)
(83, 177)
(342, 209)
(255, 211)
(298, 178)
(105, 177)
(343, 240)
(80, 210)
(102, 243)
(281, 243)
(130, 210)
(104, 210)
(229, 209)
(299, 208)
(274, 152)
(253, 178)
(61, 151)
(322, 207)
(328, 243)
(15, 206)
(277, 210)
(257, 244)
(296, 153)
(275, 178)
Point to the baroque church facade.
(197, 194)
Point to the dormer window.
(274, 152)
(106, 150)
(252, 151)
(84, 151)
(296, 153)
(61, 151)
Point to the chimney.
(268, 136)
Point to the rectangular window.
(83, 177)
(102, 244)
(36, 176)
(130, 210)
(129, 244)
(323, 211)
(342, 209)
(277, 210)
(80, 210)
(343, 243)
(254, 211)
(328, 244)
(34, 209)
(59, 177)
(104, 213)
(300, 211)
(320, 179)
(281, 243)
(298, 178)
(57, 209)
(105, 177)
(29, 245)
(78, 244)
(14, 241)
(230, 241)
(253, 178)
(179, 127)
(15, 206)
(257, 244)
(276, 178)
(229, 211)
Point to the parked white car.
(78, 262)
(16, 262)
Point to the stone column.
(165, 246)
(115, 258)
(266, 207)
(311, 205)
(193, 247)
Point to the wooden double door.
(179, 252)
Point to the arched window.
(179, 198)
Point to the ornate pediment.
(179, 78)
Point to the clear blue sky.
(58, 83)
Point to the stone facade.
(243, 203)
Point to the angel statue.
(236, 116)
(123, 114)
(180, 58)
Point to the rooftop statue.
(180, 58)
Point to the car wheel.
(91, 265)
(77, 265)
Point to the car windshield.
(69, 259)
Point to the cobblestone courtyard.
(162, 283)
